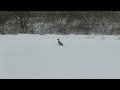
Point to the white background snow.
(40, 57)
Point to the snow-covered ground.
(40, 57)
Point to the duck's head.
(57, 39)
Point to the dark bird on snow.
(60, 43)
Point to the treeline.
(60, 22)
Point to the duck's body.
(60, 43)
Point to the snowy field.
(40, 57)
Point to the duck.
(60, 43)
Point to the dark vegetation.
(60, 22)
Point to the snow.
(40, 57)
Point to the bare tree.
(4, 16)
(22, 18)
